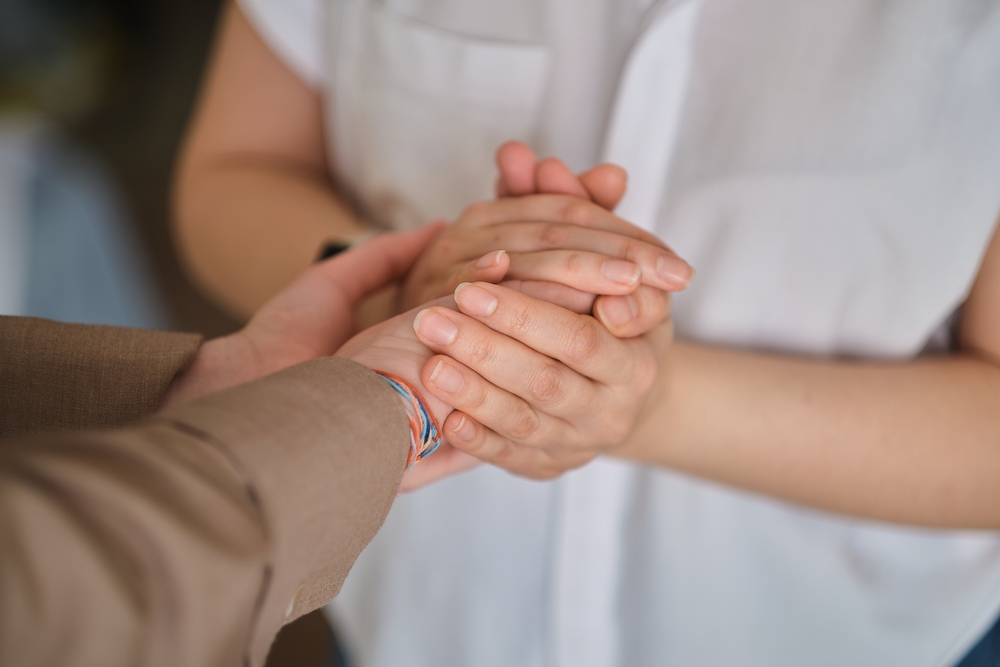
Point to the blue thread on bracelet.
(425, 434)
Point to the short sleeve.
(294, 31)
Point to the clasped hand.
(539, 386)
(546, 354)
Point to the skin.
(314, 317)
(254, 155)
(253, 200)
(915, 442)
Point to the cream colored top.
(832, 169)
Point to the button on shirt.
(833, 172)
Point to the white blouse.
(832, 170)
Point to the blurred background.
(94, 99)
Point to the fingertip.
(606, 183)
(634, 315)
(552, 176)
(416, 320)
(460, 429)
(478, 301)
(492, 259)
(517, 169)
(676, 273)
(616, 174)
(514, 150)
(617, 313)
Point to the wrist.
(425, 430)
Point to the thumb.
(378, 262)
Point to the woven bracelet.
(425, 434)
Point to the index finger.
(555, 208)
(578, 341)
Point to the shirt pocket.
(426, 108)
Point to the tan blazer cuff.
(323, 445)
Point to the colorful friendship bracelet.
(425, 433)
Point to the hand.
(310, 318)
(521, 173)
(509, 408)
(537, 389)
(566, 278)
(561, 247)
(393, 347)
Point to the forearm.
(247, 226)
(73, 376)
(915, 442)
(191, 538)
(253, 200)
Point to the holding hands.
(537, 389)
(538, 385)
(514, 366)
(563, 246)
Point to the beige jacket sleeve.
(60, 376)
(192, 537)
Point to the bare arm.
(915, 442)
(253, 201)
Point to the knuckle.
(478, 446)
(554, 235)
(480, 351)
(520, 320)
(577, 212)
(473, 399)
(504, 454)
(584, 344)
(547, 385)
(575, 263)
(525, 424)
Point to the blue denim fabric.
(986, 653)
(86, 261)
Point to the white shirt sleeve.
(294, 31)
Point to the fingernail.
(465, 429)
(617, 311)
(490, 260)
(475, 300)
(447, 378)
(435, 328)
(620, 271)
(674, 270)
